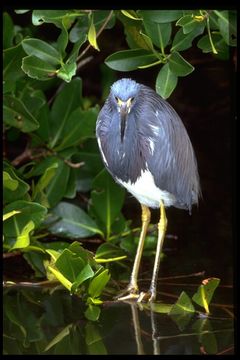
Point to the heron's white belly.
(146, 191)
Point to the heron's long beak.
(124, 109)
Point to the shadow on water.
(49, 321)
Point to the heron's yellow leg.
(162, 226)
(132, 289)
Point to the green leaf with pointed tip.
(8, 182)
(38, 69)
(205, 292)
(92, 35)
(107, 200)
(67, 71)
(60, 277)
(14, 188)
(93, 312)
(8, 31)
(128, 60)
(58, 338)
(182, 305)
(178, 65)
(86, 273)
(80, 126)
(66, 101)
(189, 23)
(73, 222)
(70, 265)
(28, 210)
(160, 34)
(42, 50)
(12, 61)
(227, 22)
(10, 214)
(219, 43)
(98, 283)
(182, 42)
(17, 115)
(182, 311)
(166, 81)
(131, 14)
(23, 239)
(107, 251)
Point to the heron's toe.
(130, 293)
(148, 296)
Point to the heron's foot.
(148, 296)
(130, 293)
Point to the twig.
(97, 35)
(11, 254)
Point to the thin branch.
(11, 254)
(97, 35)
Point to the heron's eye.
(116, 98)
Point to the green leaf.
(67, 101)
(23, 239)
(107, 200)
(73, 223)
(75, 50)
(8, 31)
(42, 50)
(63, 280)
(67, 71)
(92, 313)
(160, 16)
(189, 23)
(219, 43)
(58, 338)
(10, 214)
(94, 341)
(70, 264)
(38, 69)
(92, 35)
(17, 115)
(182, 305)
(57, 187)
(28, 210)
(108, 251)
(182, 311)
(86, 273)
(18, 187)
(50, 16)
(12, 61)
(205, 292)
(160, 34)
(71, 187)
(98, 283)
(128, 60)
(46, 178)
(9, 182)
(80, 126)
(182, 42)
(178, 65)
(228, 26)
(131, 14)
(166, 81)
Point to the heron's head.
(123, 94)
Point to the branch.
(98, 33)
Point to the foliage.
(57, 186)
(55, 323)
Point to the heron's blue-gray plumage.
(155, 140)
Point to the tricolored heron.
(146, 148)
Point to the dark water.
(50, 321)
